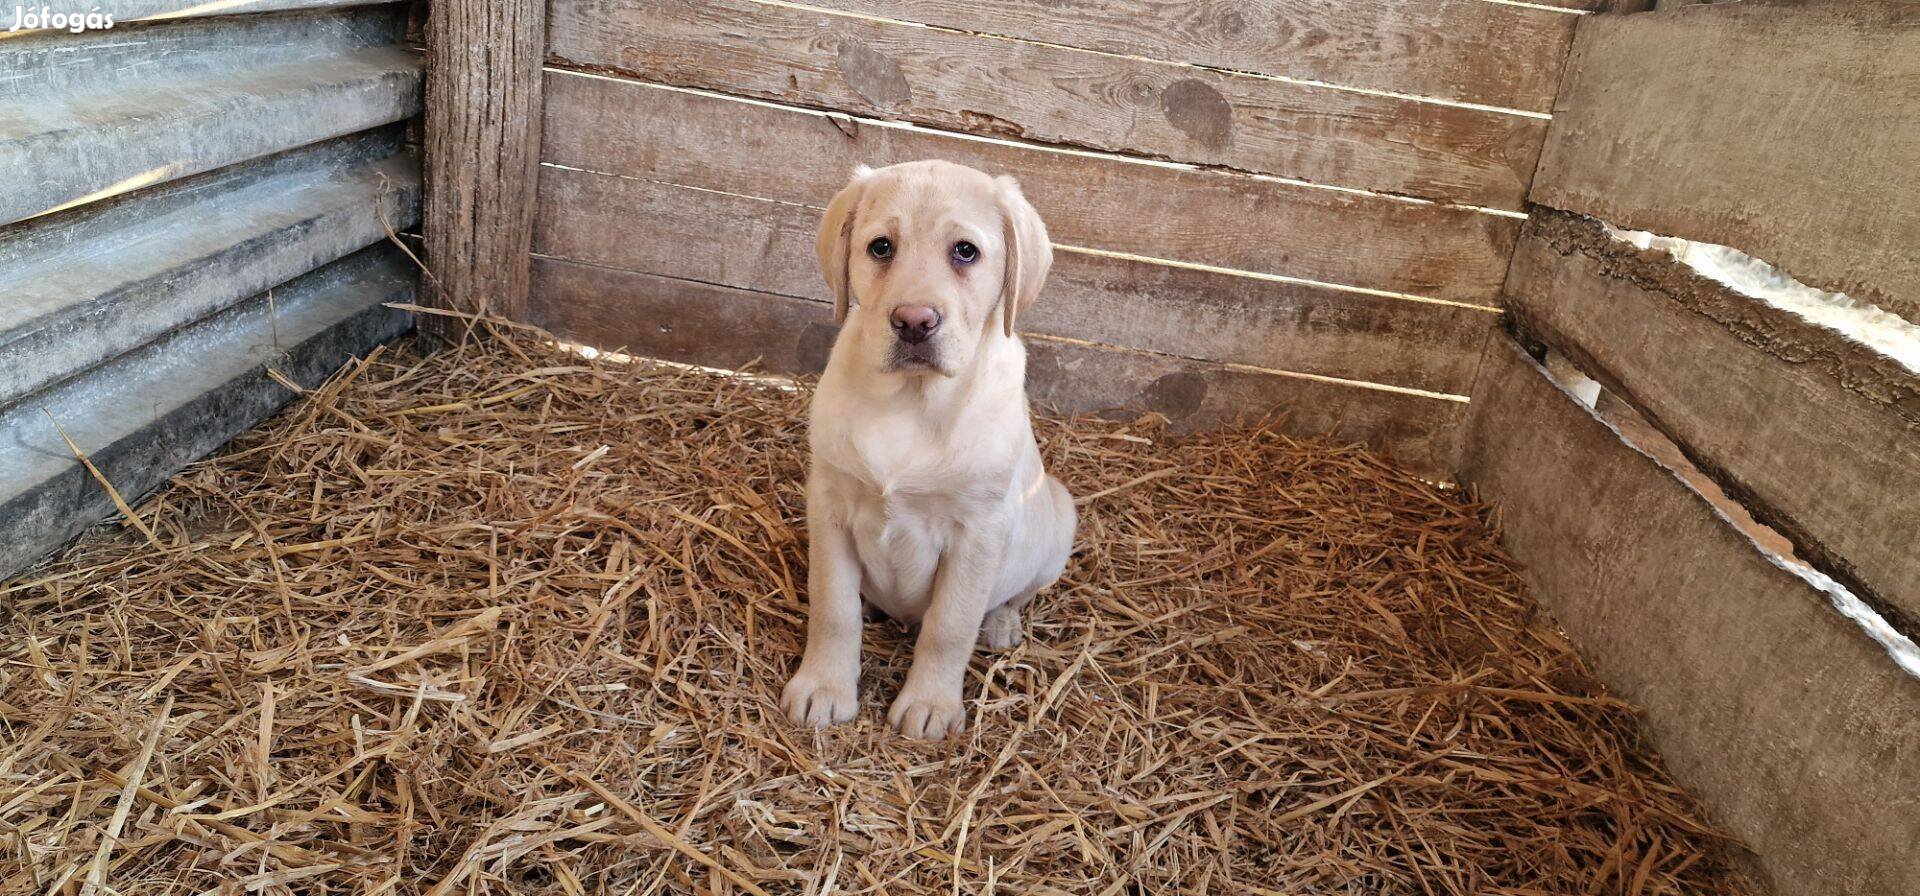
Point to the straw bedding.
(503, 620)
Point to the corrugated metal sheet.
(192, 201)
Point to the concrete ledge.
(158, 408)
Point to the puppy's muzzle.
(915, 324)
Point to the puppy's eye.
(965, 252)
(881, 248)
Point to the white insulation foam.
(1905, 653)
(1863, 322)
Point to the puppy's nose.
(915, 323)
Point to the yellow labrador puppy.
(925, 494)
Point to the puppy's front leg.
(825, 690)
(929, 703)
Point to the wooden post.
(483, 155)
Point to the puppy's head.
(927, 260)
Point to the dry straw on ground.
(509, 621)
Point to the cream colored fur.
(925, 494)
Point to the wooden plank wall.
(1658, 132)
(1289, 205)
(1790, 722)
(1787, 131)
(1817, 433)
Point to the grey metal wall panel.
(53, 68)
(76, 299)
(150, 10)
(155, 410)
(111, 112)
(204, 198)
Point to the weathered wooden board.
(704, 323)
(1818, 434)
(483, 154)
(1419, 433)
(767, 246)
(682, 320)
(1471, 51)
(1789, 131)
(1798, 732)
(1241, 320)
(1088, 200)
(1055, 94)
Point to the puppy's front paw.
(820, 700)
(928, 716)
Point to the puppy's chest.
(888, 514)
(917, 500)
(900, 538)
(910, 469)
(904, 498)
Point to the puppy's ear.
(1029, 252)
(836, 232)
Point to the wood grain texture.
(1465, 50)
(767, 246)
(1818, 435)
(1052, 94)
(1797, 731)
(1421, 434)
(1609, 6)
(483, 153)
(1786, 130)
(1092, 201)
(704, 323)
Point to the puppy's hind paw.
(1001, 629)
(820, 700)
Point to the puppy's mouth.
(914, 358)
